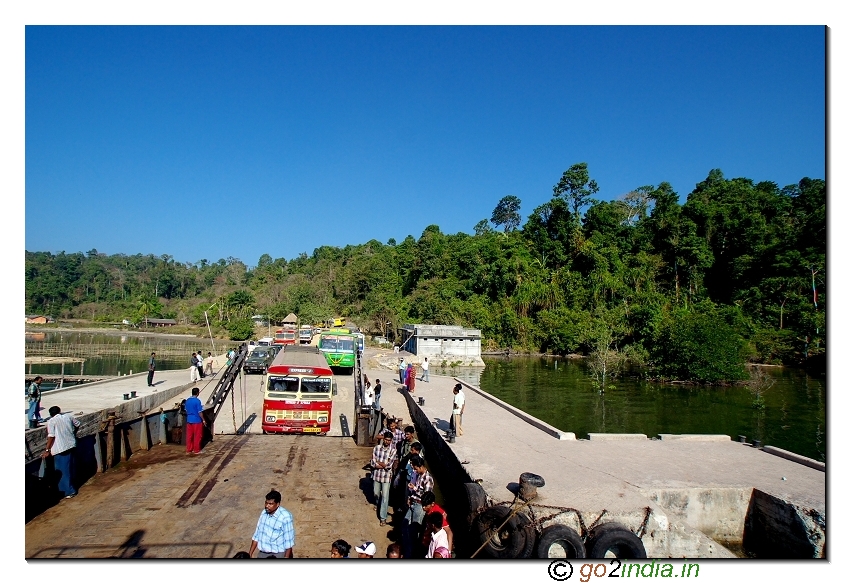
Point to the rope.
(511, 515)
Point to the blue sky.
(216, 142)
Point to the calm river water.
(115, 353)
(558, 391)
(563, 396)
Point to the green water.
(114, 354)
(793, 417)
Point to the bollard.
(421, 400)
(126, 396)
(742, 438)
(132, 394)
(757, 443)
(451, 437)
(528, 484)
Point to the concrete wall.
(717, 512)
(775, 529)
(35, 440)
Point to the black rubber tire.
(476, 500)
(508, 543)
(530, 537)
(615, 539)
(561, 539)
(532, 479)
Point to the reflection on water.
(114, 354)
(560, 393)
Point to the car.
(259, 360)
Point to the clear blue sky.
(212, 142)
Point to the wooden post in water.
(62, 378)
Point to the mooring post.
(62, 378)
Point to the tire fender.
(559, 538)
(616, 539)
(506, 543)
(476, 500)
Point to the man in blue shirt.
(195, 422)
(275, 533)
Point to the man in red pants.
(195, 422)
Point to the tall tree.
(506, 213)
(576, 187)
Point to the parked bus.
(299, 392)
(339, 348)
(305, 334)
(286, 335)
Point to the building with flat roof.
(452, 344)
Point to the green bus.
(339, 348)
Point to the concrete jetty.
(687, 496)
(698, 491)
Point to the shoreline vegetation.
(692, 292)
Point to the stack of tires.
(494, 533)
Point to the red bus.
(299, 392)
(286, 335)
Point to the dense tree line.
(693, 290)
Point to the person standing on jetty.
(210, 364)
(62, 445)
(458, 405)
(34, 402)
(377, 391)
(195, 422)
(401, 369)
(425, 366)
(201, 364)
(275, 533)
(383, 458)
(193, 368)
(151, 368)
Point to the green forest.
(690, 291)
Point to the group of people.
(400, 478)
(61, 438)
(407, 373)
(196, 366)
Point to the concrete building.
(452, 344)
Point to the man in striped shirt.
(62, 445)
(275, 533)
(415, 514)
(383, 458)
